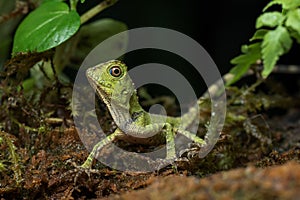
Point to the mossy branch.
(14, 157)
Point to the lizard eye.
(115, 71)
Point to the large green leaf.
(270, 19)
(275, 43)
(46, 27)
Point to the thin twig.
(97, 9)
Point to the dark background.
(221, 27)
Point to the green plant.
(273, 38)
(55, 24)
(13, 156)
(51, 24)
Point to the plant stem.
(97, 9)
(73, 4)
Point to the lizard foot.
(182, 159)
(164, 162)
(190, 152)
(78, 171)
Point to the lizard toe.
(77, 172)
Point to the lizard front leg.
(110, 138)
(86, 167)
(169, 135)
(170, 142)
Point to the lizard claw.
(182, 159)
(191, 151)
(79, 170)
(191, 154)
(182, 152)
(165, 162)
(192, 147)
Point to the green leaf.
(270, 4)
(82, 1)
(46, 27)
(259, 34)
(245, 48)
(275, 43)
(47, 1)
(243, 62)
(286, 4)
(289, 4)
(270, 19)
(295, 35)
(293, 20)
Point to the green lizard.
(112, 83)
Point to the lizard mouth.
(93, 80)
(101, 92)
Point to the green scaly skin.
(114, 86)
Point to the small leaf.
(46, 27)
(270, 4)
(259, 34)
(270, 19)
(286, 4)
(245, 48)
(295, 35)
(243, 62)
(82, 1)
(252, 52)
(275, 43)
(293, 20)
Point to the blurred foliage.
(273, 38)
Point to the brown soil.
(257, 157)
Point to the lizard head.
(111, 82)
